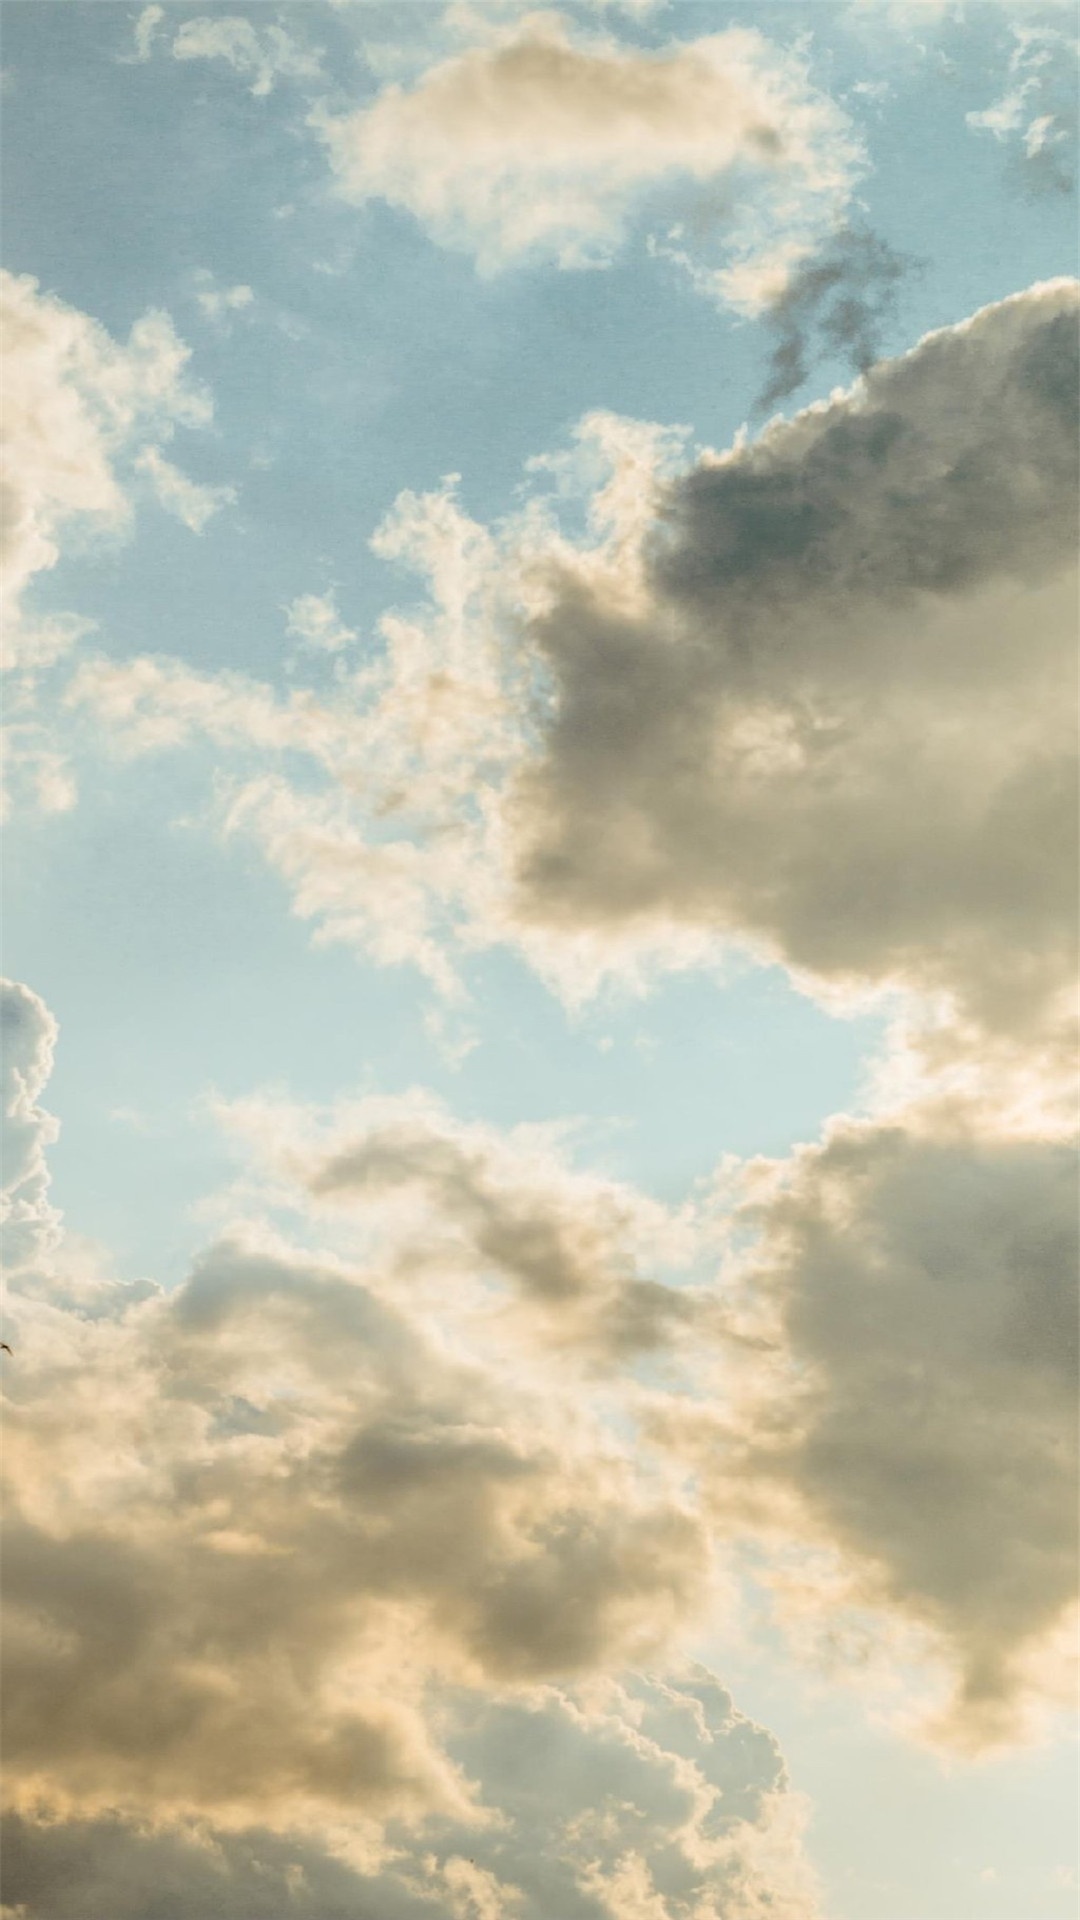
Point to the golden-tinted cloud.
(907, 1376)
(305, 1584)
(539, 142)
(650, 1796)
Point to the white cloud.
(146, 31)
(82, 412)
(631, 747)
(190, 502)
(217, 303)
(77, 403)
(385, 852)
(536, 143)
(29, 1035)
(1037, 111)
(263, 54)
(313, 618)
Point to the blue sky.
(258, 880)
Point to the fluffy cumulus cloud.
(656, 1802)
(479, 1430)
(539, 142)
(883, 1376)
(345, 1502)
(907, 1391)
(694, 723)
(301, 1591)
(838, 720)
(83, 415)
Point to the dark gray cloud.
(917, 1278)
(837, 304)
(839, 723)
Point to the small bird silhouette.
(4, 1348)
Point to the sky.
(539, 589)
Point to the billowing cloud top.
(292, 1555)
(871, 601)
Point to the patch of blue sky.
(193, 943)
(336, 389)
(990, 1842)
